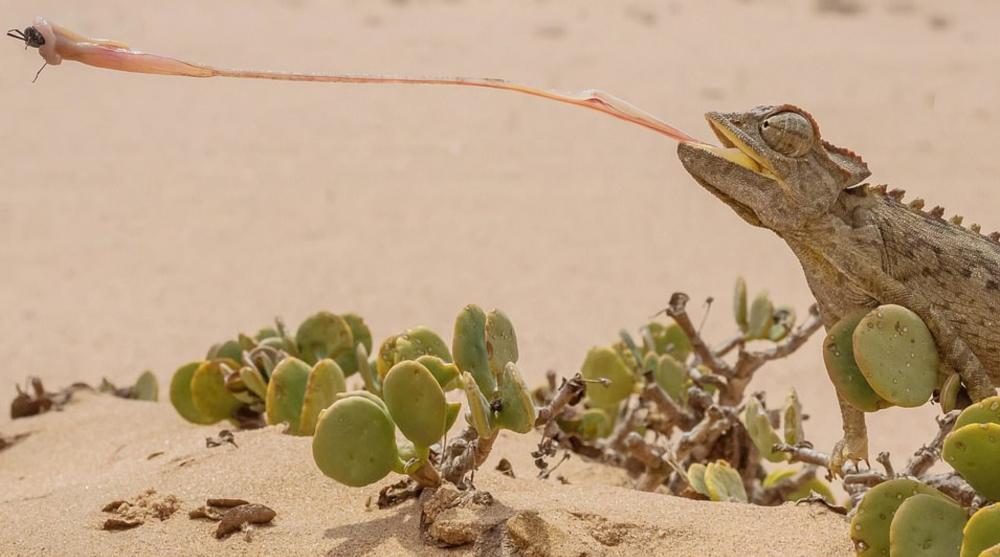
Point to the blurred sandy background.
(143, 218)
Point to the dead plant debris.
(145, 506)
(224, 436)
(233, 515)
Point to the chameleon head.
(773, 168)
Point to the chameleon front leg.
(853, 448)
(959, 356)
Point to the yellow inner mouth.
(740, 155)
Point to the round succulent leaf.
(425, 341)
(724, 483)
(325, 380)
(927, 526)
(595, 423)
(446, 373)
(410, 345)
(672, 377)
(180, 395)
(696, 477)
(469, 347)
(266, 332)
(784, 320)
(983, 412)
(761, 317)
(373, 398)
(480, 416)
(416, 402)
(974, 452)
(361, 334)
(146, 387)
(794, 432)
(285, 393)
(846, 376)
(254, 381)
(870, 524)
(982, 531)
(323, 335)
(208, 391)
(740, 304)
(517, 412)
(355, 442)
(949, 392)
(387, 356)
(805, 490)
(761, 432)
(230, 349)
(897, 355)
(454, 409)
(605, 363)
(667, 339)
(501, 341)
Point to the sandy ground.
(143, 218)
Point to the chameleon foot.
(847, 453)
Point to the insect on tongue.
(101, 53)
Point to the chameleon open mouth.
(734, 149)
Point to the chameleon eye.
(788, 133)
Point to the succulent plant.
(666, 340)
(784, 320)
(740, 304)
(927, 525)
(611, 381)
(792, 417)
(760, 320)
(950, 388)
(361, 334)
(324, 335)
(326, 381)
(870, 526)
(671, 376)
(180, 395)
(758, 425)
(355, 441)
(470, 350)
(230, 349)
(805, 490)
(410, 345)
(982, 532)
(297, 393)
(896, 353)
(724, 483)
(416, 403)
(146, 387)
(410, 395)
(973, 447)
(696, 478)
(212, 400)
(501, 342)
(515, 410)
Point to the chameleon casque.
(859, 245)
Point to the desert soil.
(143, 218)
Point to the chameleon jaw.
(734, 149)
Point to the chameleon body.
(859, 246)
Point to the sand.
(144, 218)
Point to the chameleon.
(859, 245)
